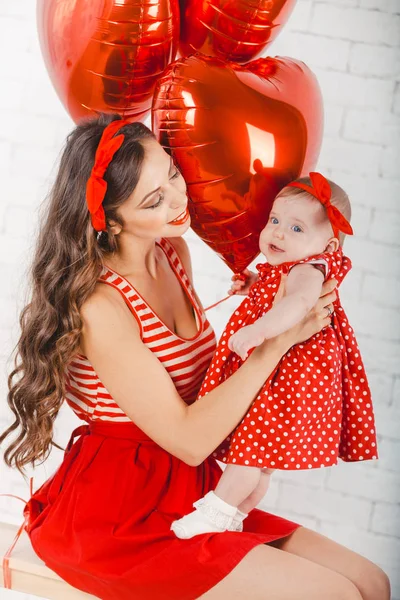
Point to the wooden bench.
(29, 574)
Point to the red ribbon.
(96, 186)
(7, 556)
(321, 190)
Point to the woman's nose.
(178, 200)
(177, 190)
(176, 197)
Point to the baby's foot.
(237, 523)
(212, 514)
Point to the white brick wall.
(353, 47)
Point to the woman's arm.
(302, 290)
(141, 386)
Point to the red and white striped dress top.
(186, 360)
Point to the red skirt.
(102, 521)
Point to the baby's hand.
(242, 283)
(246, 338)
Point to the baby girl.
(316, 406)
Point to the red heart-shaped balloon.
(230, 29)
(238, 134)
(107, 56)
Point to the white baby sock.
(211, 514)
(237, 524)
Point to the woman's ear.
(116, 228)
(332, 245)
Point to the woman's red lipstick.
(181, 219)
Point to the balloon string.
(219, 302)
(7, 556)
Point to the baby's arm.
(302, 290)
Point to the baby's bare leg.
(258, 494)
(217, 510)
(237, 483)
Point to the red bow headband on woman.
(96, 186)
(321, 190)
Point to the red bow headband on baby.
(321, 190)
(96, 186)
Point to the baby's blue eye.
(274, 220)
(297, 229)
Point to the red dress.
(102, 521)
(316, 406)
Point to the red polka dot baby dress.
(316, 406)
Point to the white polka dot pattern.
(316, 407)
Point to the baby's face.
(297, 228)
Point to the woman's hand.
(242, 283)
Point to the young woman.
(115, 328)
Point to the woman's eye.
(297, 229)
(160, 199)
(176, 174)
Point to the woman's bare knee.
(370, 580)
(266, 573)
(373, 583)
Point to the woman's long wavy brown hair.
(67, 263)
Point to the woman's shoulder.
(105, 307)
(101, 299)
